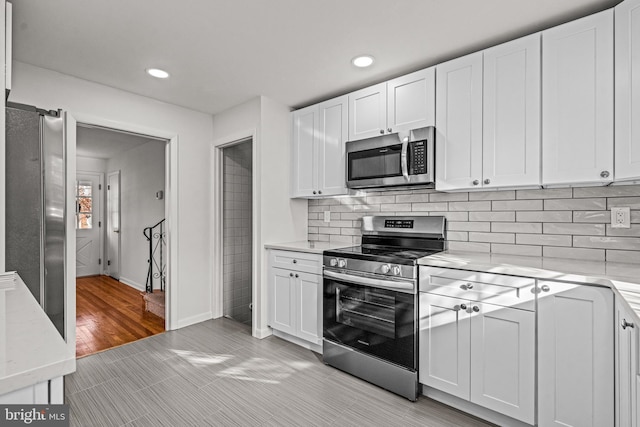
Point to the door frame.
(101, 211)
(217, 229)
(170, 206)
(108, 270)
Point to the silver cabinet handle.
(487, 181)
(626, 324)
(381, 131)
(545, 288)
(389, 130)
(476, 308)
(463, 306)
(314, 191)
(476, 182)
(295, 261)
(466, 286)
(604, 174)
(290, 274)
(297, 276)
(319, 192)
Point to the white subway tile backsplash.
(543, 239)
(575, 204)
(575, 229)
(556, 223)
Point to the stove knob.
(333, 262)
(396, 270)
(342, 263)
(385, 268)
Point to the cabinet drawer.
(496, 289)
(297, 261)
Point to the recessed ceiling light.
(362, 61)
(158, 73)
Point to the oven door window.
(375, 163)
(375, 321)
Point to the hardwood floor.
(109, 314)
(215, 373)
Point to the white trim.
(3, 146)
(132, 284)
(217, 217)
(102, 199)
(194, 319)
(171, 206)
(69, 127)
(115, 173)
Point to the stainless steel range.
(370, 300)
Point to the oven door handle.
(376, 283)
(404, 159)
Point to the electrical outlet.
(621, 217)
(327, 216)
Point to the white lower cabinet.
(295, 297)
(480, 352)
(575, 356)
(43, 393)
(626, 368)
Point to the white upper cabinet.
(459, 123)
(331, 136)
(577, 101)
(398, 105)
(627, 66)
(318, 151)
(511, 114)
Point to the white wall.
(90, 101)
(277, 218)
(90, 164)
(142, 173)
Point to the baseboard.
(193, 319)
(262, 333)
(133, 284)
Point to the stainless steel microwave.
(386, 161)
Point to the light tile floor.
(215, 374)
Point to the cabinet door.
(368, 112)
(411, 101)
(459, 123)
(511, 114)
(444, 344)
(503, 360)
(303, 157)
(282, 297)
(575, 355)
(577, 101)
(627, 36)
(626, 367)
(309, 307)
(332, 135)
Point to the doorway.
(118, 210)
(237, 230)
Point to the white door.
(459, 123)
(411, 101)
(577, 101)
(511, 114)
(444, 344)
(368, 112)
(627, 68)
(308, 304)
(282, 299)
(88, 224)
(503, 360)
(113, 225)
(626, 367)
(333, 127)
(304, 182)
(575, 355)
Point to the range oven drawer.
(298, 261)
(498, 289)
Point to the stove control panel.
(338, 262)
(391, 269)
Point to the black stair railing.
(157, 247)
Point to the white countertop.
(31, 349)
(306, 246)
(623, 278)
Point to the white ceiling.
(100, 143)
(221, 53)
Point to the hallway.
(109, 314)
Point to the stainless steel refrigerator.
(35, 204)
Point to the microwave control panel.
(418, 154)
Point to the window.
(84, 205)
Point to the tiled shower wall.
(237, 232)
(561, 223)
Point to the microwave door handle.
(404, 159)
